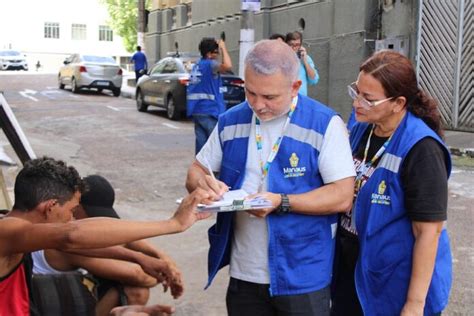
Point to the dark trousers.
(344, 297)
(138, 74)
(246, 298)
(203, 126)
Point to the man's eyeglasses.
(354, 94)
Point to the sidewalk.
(459, 143)
(128, 85)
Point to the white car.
(11, 59)
(91, 71)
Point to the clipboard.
(235, 200)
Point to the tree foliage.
(123, 20)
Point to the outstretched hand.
(187, 213)
(139, 310)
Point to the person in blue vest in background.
(295, 152)
(393, 253)
(205, 99)
(140, 63)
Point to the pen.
(208, 166)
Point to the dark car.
(165, 86)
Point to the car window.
(170, 67)
(158, 68)
(9, 53)
(98, 59)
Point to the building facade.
(338, 35)
(50, 30)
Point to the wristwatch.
(284, 206)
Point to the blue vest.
(383, 269)
(301, 247)
(203, 92)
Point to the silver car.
(11, 59)
(90, 71)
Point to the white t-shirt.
(249, 255)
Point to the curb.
(127, 94)
(462, 152)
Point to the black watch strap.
(284, 206)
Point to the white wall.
(22, 29)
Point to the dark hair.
(292, 36)
(398, 78)
(207, 45)
(277, 36)
(139, 48)
(43, 179)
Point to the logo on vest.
(294, 171)
(380, 197)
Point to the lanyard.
(276, 146)
(365, 166)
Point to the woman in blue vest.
(393, 249)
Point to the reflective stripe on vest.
(201, 96)
(390, 162)
(304, 135)
(235, 131)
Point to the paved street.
(145, 156)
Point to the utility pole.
(247, 37)
(141, 27)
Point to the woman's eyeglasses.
(354, 94)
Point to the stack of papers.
(235, 201)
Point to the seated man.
(127, 277)
(47, 192)
(118, 282)
(98, 201)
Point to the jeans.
(203, 127)
(247, 298)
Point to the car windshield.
(9, 53)
(98, 59)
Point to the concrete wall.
(338, 34)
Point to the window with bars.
(79, 32)
(105, 33)
(51, 30)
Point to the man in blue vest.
(293, 151)
(205, 99)
(140, 63)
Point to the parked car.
(11, 59)
(165, 86)
(90, 71)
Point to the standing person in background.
(140, 63)
(307, 72)
(205, 100)
(393, 248)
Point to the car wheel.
(74, 87)
(116, 92)
(60, 84)
(171, 110)
(141, 104)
